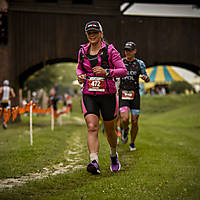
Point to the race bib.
(96, 84)
(128, 95)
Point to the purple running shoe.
(93, 167)
(115, 165)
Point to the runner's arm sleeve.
(79, 70)
(119, 69)
(143, 67)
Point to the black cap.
(130, 45)
(93, 25)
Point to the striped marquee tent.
(162, 74)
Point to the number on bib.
(96, 84)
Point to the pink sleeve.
(79, 70)
(119, 67)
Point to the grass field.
(166, 164)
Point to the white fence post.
(31, 123)
(52, 118)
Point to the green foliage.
(61, 74)
(180, 87)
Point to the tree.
(61, 74)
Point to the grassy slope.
(165, 165)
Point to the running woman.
(129, 96)
(6, 92)
(98, 65)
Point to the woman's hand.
(81, 78)
(99, 70)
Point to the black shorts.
(106, 104)
(132, 104)
(4, 105)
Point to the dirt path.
(72, 156)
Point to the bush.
(180, 87)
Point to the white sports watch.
(107, 72)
